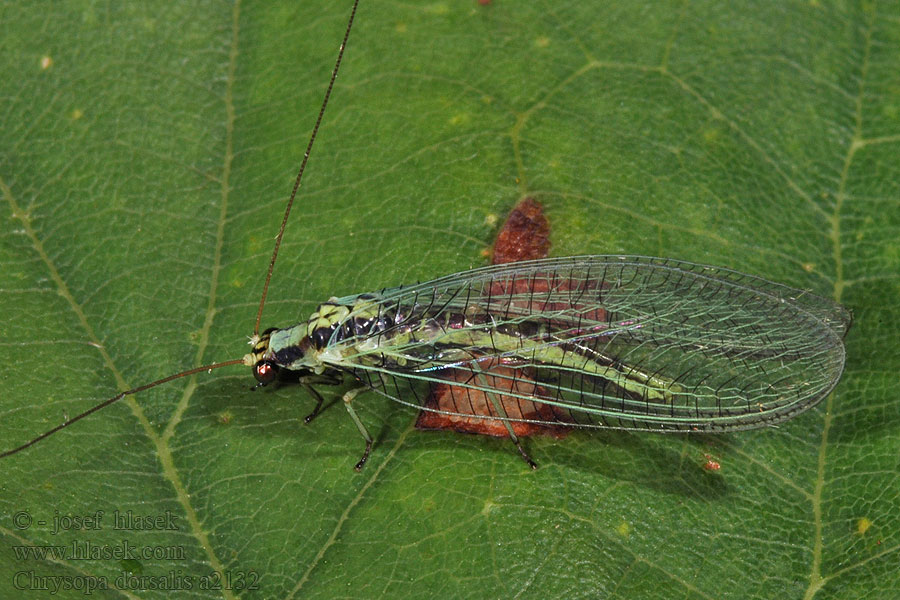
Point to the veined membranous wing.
(606, 341)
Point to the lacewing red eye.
(265, 372)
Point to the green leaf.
(147, 154)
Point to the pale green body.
(624, 342)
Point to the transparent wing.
(601, 341)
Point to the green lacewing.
(622, 342)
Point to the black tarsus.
(365, 457)
(525, 456)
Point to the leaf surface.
(146, 158)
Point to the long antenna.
(312, 139)
(119, 396)
(262, 301)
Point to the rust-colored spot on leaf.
(711, 463)
(472, 409)
(524, 236)
(530, 295)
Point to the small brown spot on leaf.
(525, 234)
